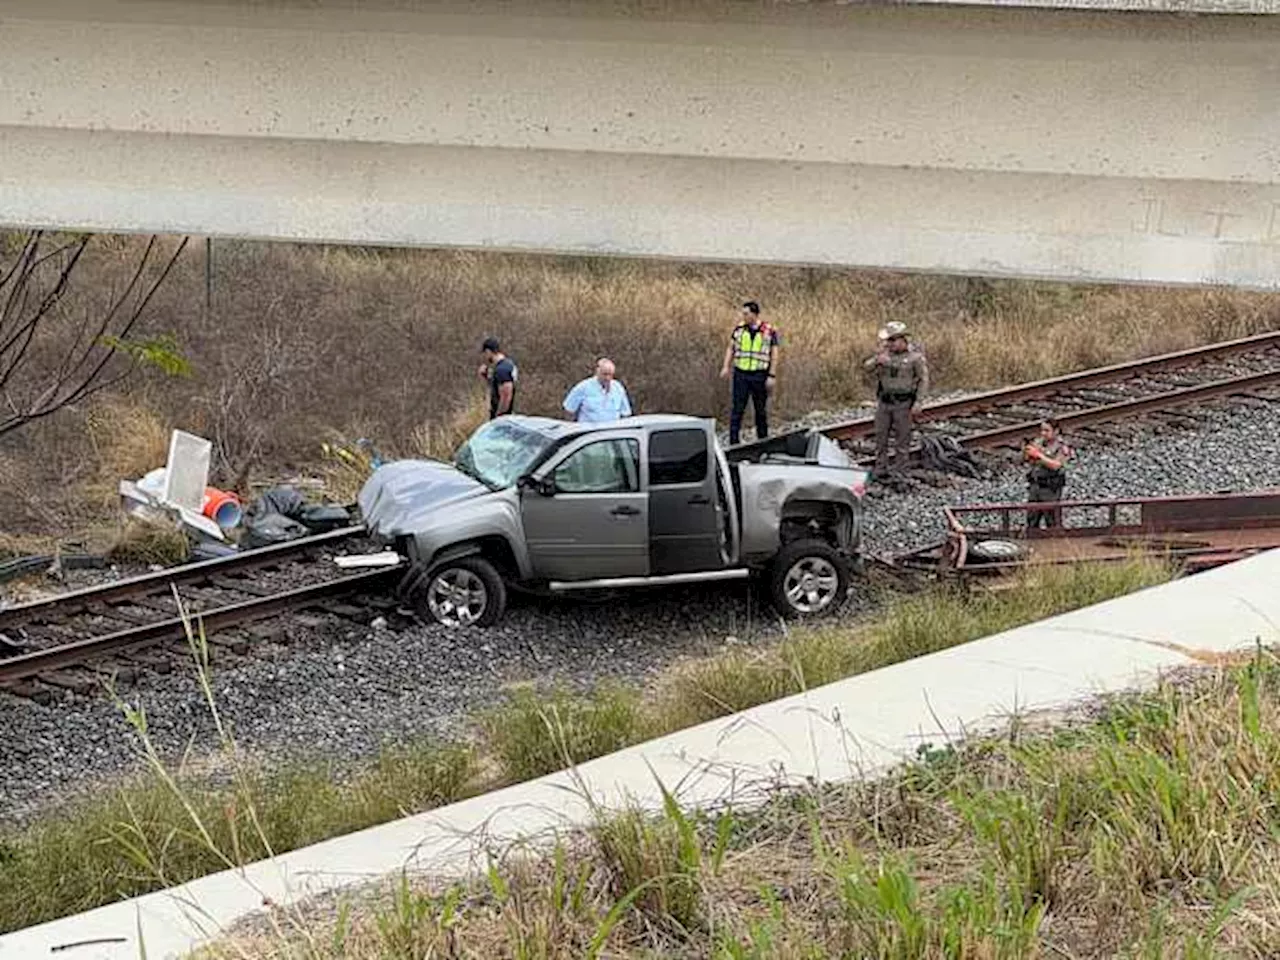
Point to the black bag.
(323, 517)
(273, 528)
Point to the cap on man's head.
(752, 306)
(490, 345)
(896, 329)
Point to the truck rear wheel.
(465, 592)
(808, 578)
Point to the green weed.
(536, 732)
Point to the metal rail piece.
(1197, 531)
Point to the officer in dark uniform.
(1048, 455)
(901, 377)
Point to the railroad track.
(73, 640)
(1092, 403)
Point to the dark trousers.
(1047, 516)
(749, 384)
(893, 417)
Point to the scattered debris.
(1198, 532)
(212, 550)
(945, 455)
(267, 529)
(388, 558)
(222, 507)
(178, 494)
(284, 500)
(176, 490)
(24, 566)
(281, 514)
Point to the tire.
(472, 580)
(996, 551)
(808, 578)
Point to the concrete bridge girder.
(1099, 146)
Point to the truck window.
(677, 456)
(606, 466)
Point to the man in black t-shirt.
(500, 370)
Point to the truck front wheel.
(808, 578)
(465, 592)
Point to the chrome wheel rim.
(811, 584)
(457, 597)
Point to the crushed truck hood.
(399, 497)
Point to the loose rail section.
(1197, 532)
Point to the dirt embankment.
(306, 343)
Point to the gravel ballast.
(336, 690)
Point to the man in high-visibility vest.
(752, 357)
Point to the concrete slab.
(860, 726)
(1023, 142)
(1252, 7)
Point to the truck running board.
(736, 573)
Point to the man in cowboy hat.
(901, 377)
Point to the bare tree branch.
(52, 357)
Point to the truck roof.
(556, 429)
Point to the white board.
(187, 473)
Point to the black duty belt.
(896, 397)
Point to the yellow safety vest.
(751, 351)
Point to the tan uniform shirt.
(1055, 449)
(901, 374)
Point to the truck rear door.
(684, 518)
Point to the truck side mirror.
(545, 487)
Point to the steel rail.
(152, 582)
(79, 652)
(1036, 389)
(1123, 409)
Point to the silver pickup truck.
(554, 506)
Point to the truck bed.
(797, 447)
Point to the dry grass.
(126, 439)
(147, 543)
(25, 545)
(1147, 831)
(438, 439)
(343, 468)
(306, 339)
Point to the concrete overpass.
(1088, 143)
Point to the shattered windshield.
(499, 453)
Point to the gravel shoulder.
(333, 690)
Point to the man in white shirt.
(600, 398)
